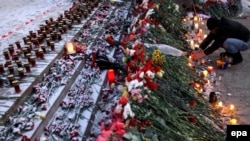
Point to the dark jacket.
(227, 29)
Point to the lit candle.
(111, 76)
(233, 121)
(196, 26)
(231, 108)
(192, 44)
(195, 18)
(210, 69)
(220, 104)
(204, 74)
(200, 31)
(190, 64)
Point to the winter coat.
(227, 29)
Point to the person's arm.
(206, 41)
(212, 48)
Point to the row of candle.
(205, 73)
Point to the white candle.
(192, 43)
(196, 26)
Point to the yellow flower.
(125, 93)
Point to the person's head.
(212, 24)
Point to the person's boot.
(237, 58)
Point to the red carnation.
(123, 100)
(192, 103)
(192, 119)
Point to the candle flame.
(233, 121)
(220, 104)
(231, 107)
(190, 64)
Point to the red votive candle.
(52, 46)
(19, 63)
(1, 68)
(6, 54)
(10, 78)
(15, 57)
(11, 69)
(33, 61)
(43, 47)
(27, 67)
(18, 45)
(21, 73)
(41, 55)
(16, 86)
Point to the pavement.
(234, 86)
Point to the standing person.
(229, 34)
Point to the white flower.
(134, 84)
(118, 108)
(149, 12)
(150, 74)
(141, 75)
(127, 111)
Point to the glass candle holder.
(25, 40)
(27, 67)
(53, 37)
(52, 46)
(11, 69)
(15, 84)
(33, 61)
(36, 52)
(40, 38)
(21, 73)
(34, 35)
(59, 35)
(41, 55)
(35, 42)
(1, 68)
(7, 63)
(44, 34)
(10, 78)
(25, 51)
(6, 54)
(51, 20)
(28, 56)
(11, 49)
(1, 82)
(18, 45)
(43, 47)
(48, 41)
(15, 57)
(30, 32)
(19, 63)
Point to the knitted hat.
(212, 23)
